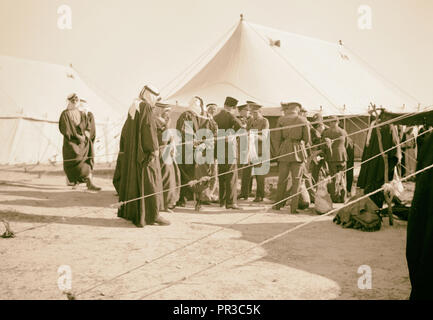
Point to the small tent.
(32, 97)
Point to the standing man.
(227, 154)
(336, 142)
(307, 178)
(317, 160)
(139, 171)
(243, 154)
(169, 170)
(211, 193)
(291, 139)
(256, 125)
(189, 124)
(419, 241)
(77, 144)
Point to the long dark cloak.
(137, 173)
(372, 173)
(77, 155)
(191, 170)
(419, 248)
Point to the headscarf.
(145, 95)
(72, 109)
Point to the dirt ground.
(199, 256)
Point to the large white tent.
(32, 97)
(253, 62)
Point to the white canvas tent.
(32, 97)
(253, 62)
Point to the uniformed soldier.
(318, 162)
(257, 123)
(336, 141)
(246, 181)
(226, 120)
(291, 140)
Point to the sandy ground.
(199, 256)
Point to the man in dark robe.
(372, 173)
(188, 124)
(138, 171)
(419, 247)
(169, 170)
(350, 149)
(78, 136)
(422, 136)
(227, 154)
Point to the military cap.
(230, 102)
(209, 105)
(255, 106)
(243, 107)
(290, 105)
(317, 117)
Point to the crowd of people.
(157, 168)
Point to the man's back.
(339, 142)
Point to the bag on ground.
(323, 201)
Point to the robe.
(169, 171)
(372, 173)
(189, 123)
(137, 173)
(419, 246)
(77, 155)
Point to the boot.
(197, 206)
(91, 186)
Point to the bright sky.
(118, 45)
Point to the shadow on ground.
(61, 199)
(12, 216)
(326, 249)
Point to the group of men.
(150, 178)
(157, 170)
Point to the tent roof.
(245, 65)
(38, 90)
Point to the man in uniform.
(291, 140)
(335, 139)
(244, 117)
(227, 154)
(257, 124)
(318, 162)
